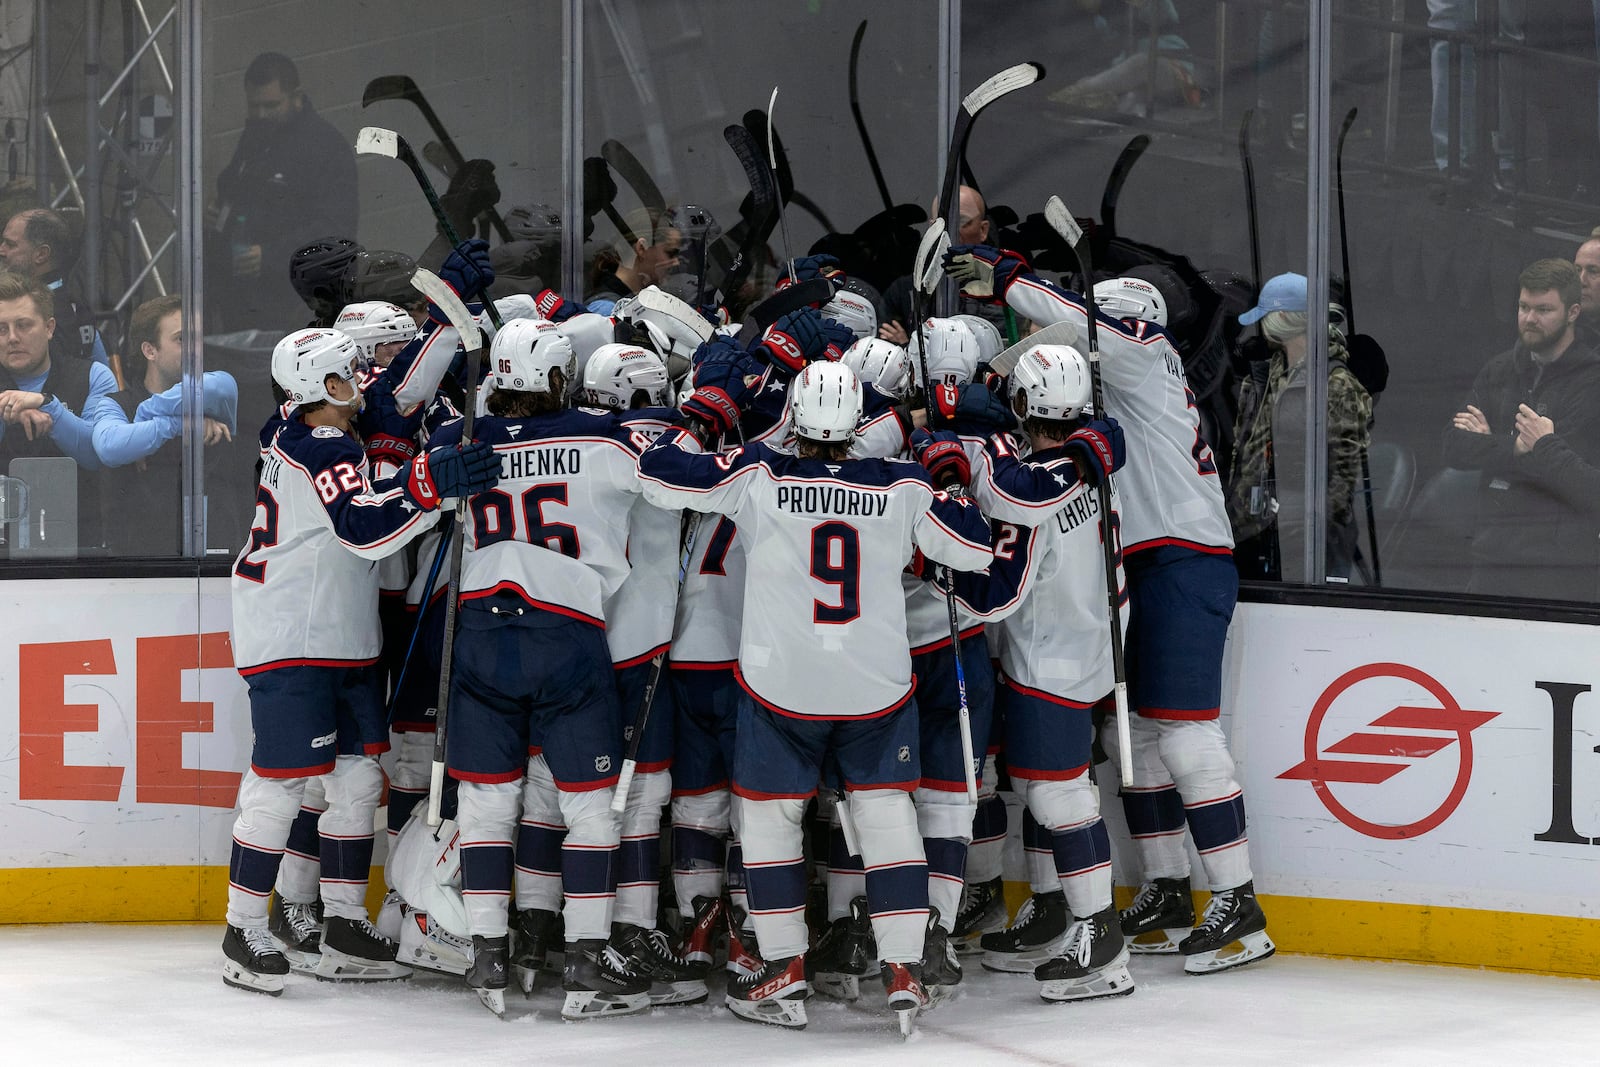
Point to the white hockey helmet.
(375, 322)
(1053, 381)
(1131, 298)
(882, 364)
(825, 402)
(302, 361)
(670, 323)
(952, 351)
(988, 334)
(854, 311)
(525, 352)
(616, 372)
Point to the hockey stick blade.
(377, 141)
(1062, 221)
(389, 87)
(632, 171)
(791, 298)
(1057, 333)
(653, 298)
(433, 287)
(928, 267)
(435, 153)
(1006, 81)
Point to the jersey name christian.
(555, 530)
(319, 525)
(1174, 495)
(824, 630)
(1047, 584)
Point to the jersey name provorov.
(830, 500)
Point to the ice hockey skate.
(700, 939)
(1232, 917)
(1093, 963)
(599, 984)
(532, 931)
(1039, 933)
(742, 957)
(907, 996)
(298, 930)
(941, 969)
(251, 960)
(354, 951)
(983, 911)
(426, 945)
(672, 981)
(391, 915)
(487, 978)
(775, 994)
(1161, 915)
(845, 954)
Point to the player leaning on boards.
(1182, 587)
(826, 540)
(306, 640)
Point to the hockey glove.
(448, 471)
(972, 404)
(1098, 450)
(809, 267)
(839, 336)
(984, 272)
(793, 341)
(943, 456)
(551, 305)
(466, 269)
(721, 389)
(388, 448)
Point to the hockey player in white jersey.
(827, 539)
(1182, 588)
(306, 640)
(1047, 588)
(533, 707)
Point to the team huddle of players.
(785, 568)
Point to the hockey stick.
(1007, 81)
(653, 298)
(1250, 198)
(756, 122)
(772, 164)
(1350, 322)
(1061, 220)
(430, 285)
(930, 259)
(1115, 181)
(861, 123)
(644, 187)
(641, 718)
(435, 153)
(780, 303)
(422, 611)
(402, 87)
(377, 141)
(758, 211)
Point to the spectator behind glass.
(1531, 540)
(37, 244)
(145, 499)
(973, 228)
(1587, 260)
(1462, 16)
(292, 178)
(49, 408)
(1266, 484)
(642, 257)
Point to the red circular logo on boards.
(1401, 736)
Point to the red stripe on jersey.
(291, 772)
(1177, 542)
(643, 658)
(904, 787)
(586, 787)
(1045, 776)
(756, 794)
(281, 663)
(486, 779)
(1048, 697)
(509, 586)
(944, 642)
(1181, 714)
(703, 665)
(770, 706)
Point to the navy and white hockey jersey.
(1172, 492)
(554, 532)
(320, 526)
(639, 615)
(824, 628)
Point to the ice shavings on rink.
(152, 994)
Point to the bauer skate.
(532, 931)
(354, 951)
(491, 956)
(426, 945)
(941, 969)
(1232, 917)
(907, 996)
(251, 961)
(1039, 934)
(1093, 963)
(775, 994)
(599, 984)
(672, 981)
(983, 911)
(845, 954)
(1161, 915)
(298, 930)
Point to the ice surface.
(154, 994)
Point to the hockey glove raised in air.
(793, 341)
(840, 337)
(466, 269)
(943, 456)
(448, 471)
(972, 404)
(809, 267)
(553, 306)
(984, 272)
(1098, 450)
(722, 388)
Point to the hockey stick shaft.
(1248, 168)
(1344, 234)
(641, 717)
(1118, 177)
(1006, 81)
(772, 165)
(422, 612)
(1062, 221)
(861, 122)
(963, 712)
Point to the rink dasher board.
(1417, 785)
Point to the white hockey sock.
(353, 787)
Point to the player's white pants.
(486, 812)
(267, 807)
(1070, 810)
(1037, 849)
(353, 788)
(639, 866)
(703, 822)
(1162, 848)
(301, 869)
(774, 862)
(944, 819)
(587, 888)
